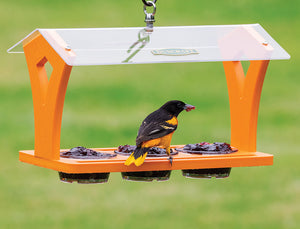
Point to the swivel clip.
(149, 19)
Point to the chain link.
(148, 3)
(154, 9)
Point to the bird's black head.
(174, 107)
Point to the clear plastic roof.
(107, 46)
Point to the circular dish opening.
(163, 175)
(83, 153)
(205, 148)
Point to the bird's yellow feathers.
(137, 161)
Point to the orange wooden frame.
(48, 100)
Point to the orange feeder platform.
(64, 48)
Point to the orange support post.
(244, 96)
(48, 95)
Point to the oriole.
(157, 130)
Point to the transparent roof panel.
(106, 46)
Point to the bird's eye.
(179, 105)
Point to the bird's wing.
(151, 130)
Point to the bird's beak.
(189, 107)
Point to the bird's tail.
(138, 156)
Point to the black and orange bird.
(157, 129)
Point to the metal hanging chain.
(149, 19)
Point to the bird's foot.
(170, 160)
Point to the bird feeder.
(65, 48)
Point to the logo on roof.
(174, 52)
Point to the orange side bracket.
(244, 96)
(48, 95)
